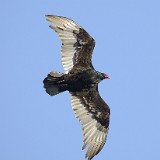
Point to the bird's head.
(103, 76)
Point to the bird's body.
(77, 80)
(81, 80)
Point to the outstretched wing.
(77, 44)
(93, 113)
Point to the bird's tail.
(52, 83)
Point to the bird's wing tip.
(49, 16)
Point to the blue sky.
(34, 125)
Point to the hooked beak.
(107, 76)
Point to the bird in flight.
(81, 80)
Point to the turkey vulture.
(81, 80)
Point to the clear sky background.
(35, 126)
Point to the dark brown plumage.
(81, 80)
